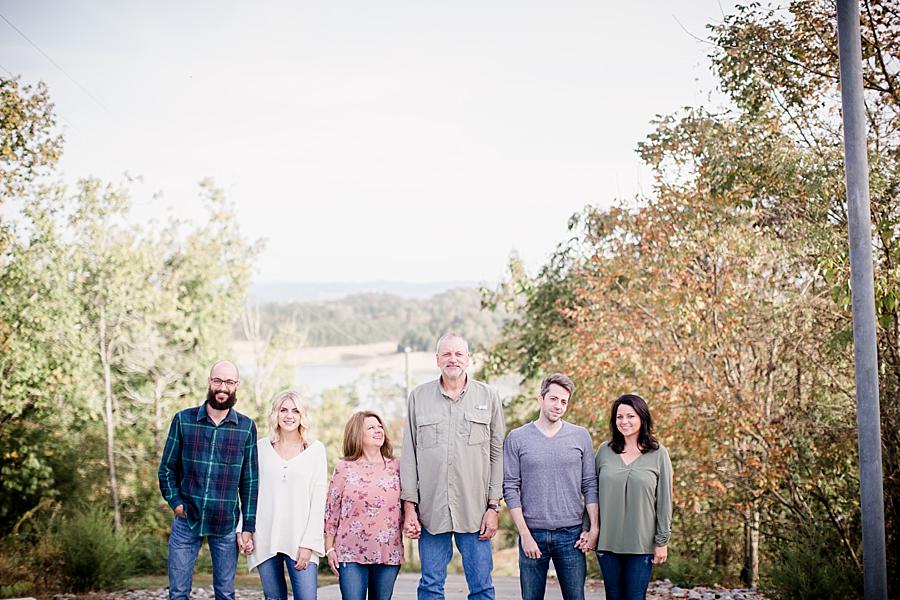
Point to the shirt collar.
(445, 394)
(230, 417)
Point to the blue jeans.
(271, 575)
(625, 576)
(569, 562)
(184, 544)
(435, 552)
(356, 579)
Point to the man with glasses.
(209, 476)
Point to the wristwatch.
(495, 507)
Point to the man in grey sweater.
(549, 480)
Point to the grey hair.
(447, 336)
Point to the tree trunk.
(158, 418)
(750, 570)
(109, 418)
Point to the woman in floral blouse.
(362, 512)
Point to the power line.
(54, 63)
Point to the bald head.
(224, 369)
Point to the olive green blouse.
(635, 501)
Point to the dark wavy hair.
(646, 440)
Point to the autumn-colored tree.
(725, 294)
(29, 144)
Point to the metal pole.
(864, 342)
(406, 352)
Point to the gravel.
(664, 590)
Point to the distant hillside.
(377, 317)
(266, 292)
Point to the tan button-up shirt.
(452, 458)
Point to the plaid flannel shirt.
(206, 468)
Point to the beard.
(230, 401)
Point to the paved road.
(507, 589)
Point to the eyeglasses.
(228, 382)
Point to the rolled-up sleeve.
(498, 432)
(409, 468)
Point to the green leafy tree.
(42, 417)
(329, 417)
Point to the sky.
(393, 140)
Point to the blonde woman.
(293, 477)
(363, 521)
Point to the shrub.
(150, 554)
(14, 580)
(690, 571)
(812, 569)
(94, 556)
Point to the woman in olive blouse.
(634, 475)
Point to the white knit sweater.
(290, 511)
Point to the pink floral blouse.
(362, 511)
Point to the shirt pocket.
(479, 423)
(427, 433)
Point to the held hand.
(302, 560)
(530, 547)
(489, 524)
(179, 511)
(411, 526)
(333, 563)
(587, 541)
(660, 554)
(245, 543)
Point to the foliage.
(329, 418)
(14, 579)
(724, 296)
(805, 569)
(105, 326)
(29, 146)
(40, 357)
(690, 570)
(272, 369)
(368, 318)
(149, 553)
(95, 556)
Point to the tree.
(35, 376)
(29, 147)
(41, 363)
(781, 66)
(726, 292)
(114, 280)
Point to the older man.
(209, 476)
(451, 472)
